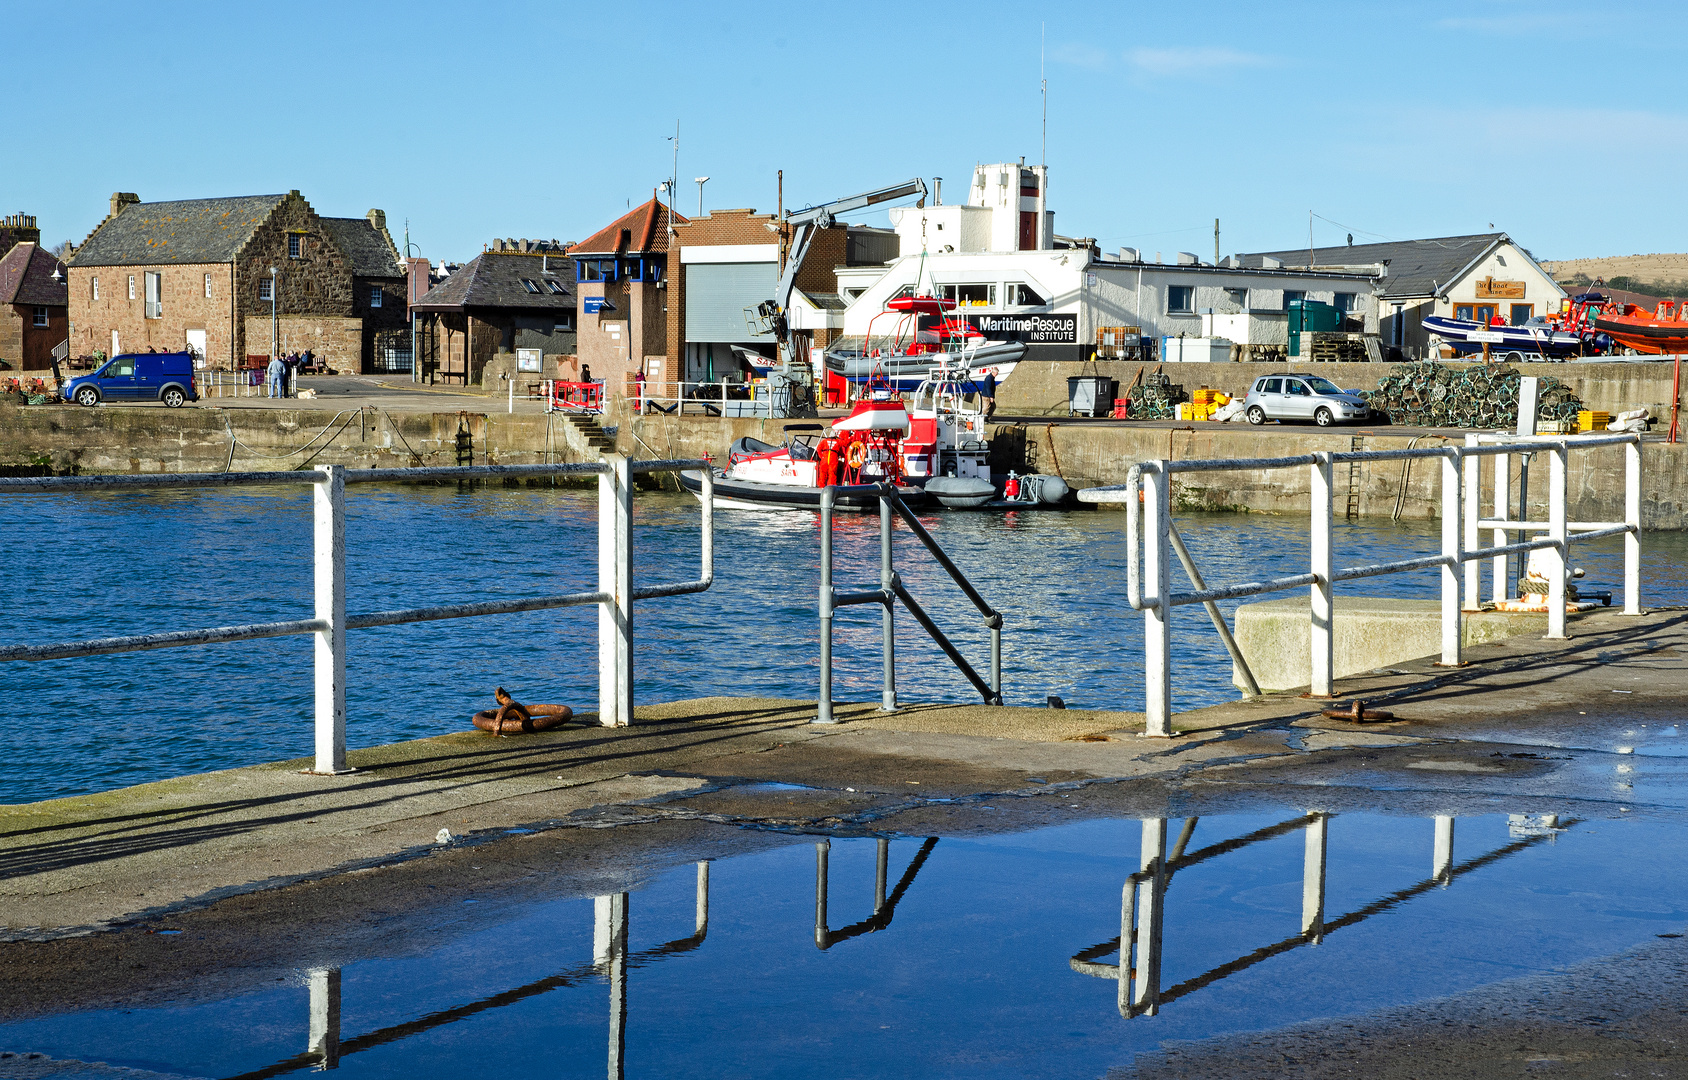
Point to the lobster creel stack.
(1156, 398)
(1427, 394)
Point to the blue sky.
(1563, 124)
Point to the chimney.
(377, 218)
(122, 200)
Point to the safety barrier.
(1147, 495)
(330, 622)
(889, 592)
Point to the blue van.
(166, 377)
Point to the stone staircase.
(589, 432)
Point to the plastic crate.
(1593, 420)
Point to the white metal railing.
(1147, 495)
(614, 595)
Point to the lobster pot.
(1090, 395)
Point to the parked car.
(166, 377)
(1296, 396)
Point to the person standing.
(639, 381)
(988, 394)
(290, 379)
(274, 375)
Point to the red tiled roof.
(646, 227)
(26, 277)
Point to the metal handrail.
(891, 589)
(614, 594)
(1150, 483)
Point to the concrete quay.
(267, 867)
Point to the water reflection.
(611, 961)
(1143, 899)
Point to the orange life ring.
(857, 456)
(510, 721)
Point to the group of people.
(282, 375)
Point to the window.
(1239, 297)
(1398, 328)
(970, 295)
(595, 270)
(906, 290)
(155, 296)
(96, 283)
(556, 287)
(1299, 389)
(40, 316)
(633, 270)
(1180, 298)
(1521, 313)
(131, 286)
(375, 296)
(293, 245)
(1272, 386)
(1483, 313)
(1291, 295)
(264, 288)
(531, 286)
(1345, 302)
(1022, 295)
(207, 286)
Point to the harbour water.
(970, 975)
(101, 565)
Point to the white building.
(1012, 277)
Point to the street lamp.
(275, 321)
(702, 180)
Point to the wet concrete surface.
(183, 891)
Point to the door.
(1298, 400)
(196, 345)
(117, 381)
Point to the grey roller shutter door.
(717, 295)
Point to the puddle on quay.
(976, 956)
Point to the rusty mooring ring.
(506, 720)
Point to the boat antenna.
(1042, 33)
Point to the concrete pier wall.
(149, 440)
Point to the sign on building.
(1056, 329)
(1490, 289)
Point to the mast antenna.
(1042, 33)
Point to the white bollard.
(324, 1037)
(329, 501)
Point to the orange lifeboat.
(1662, 330)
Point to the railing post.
(1127, 934)
(881, 873)
(1559, 556)
(324, 1035)
(615, 578)
(822, 849)
(1632, 518)
(823, 708)
(329, 541)
(1451, 517)
(1157, 611)
(1322, 592)
(1313, 879)
(1503, 496)
(1147, 996)
(1442, 856)
(888, 695)
(702, 921)
(1471, 482)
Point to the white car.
(1296, 396)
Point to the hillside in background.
(1654, 275)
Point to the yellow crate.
(1593, 420)
(1204, 396)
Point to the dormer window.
(556, 288)
(531, 286)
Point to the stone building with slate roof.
(32, 310)
(1483, 275)
(195, 273)
(475, 326)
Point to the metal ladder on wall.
(1357, 443)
